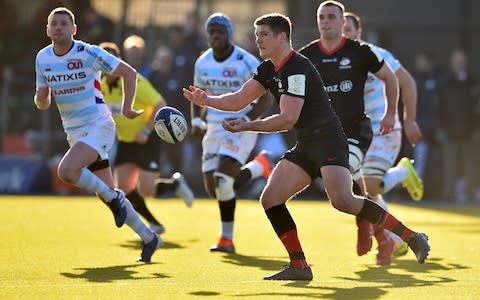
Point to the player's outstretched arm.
(391, 90)
(250, 91)
(129, 76)
(408, 87)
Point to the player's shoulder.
(313, 45)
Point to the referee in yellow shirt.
(137, 162)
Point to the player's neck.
(221, 55)
(279, 58)
(332, 43)
(62, 48)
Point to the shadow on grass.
(111, 274)
(263, 263)
(136, 244)
(371, 283)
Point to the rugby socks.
(92, 183)
(138, 203)
(286, 230)
(227, 214)
(378, 216)
(249, 171)
(134, 222)
(164, 185)
(243, 177)
(393, 177)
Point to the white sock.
(134, 222)
(92, 183)
(256, 168)
(393, 177)
(227, 230)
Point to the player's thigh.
(126, 176)
(286, 180)
(80, 155)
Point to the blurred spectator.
(428, 80)
(457, 121)
(94, 27)
(134, 53)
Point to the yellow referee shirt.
(146, 98)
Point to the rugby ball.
(170, 125)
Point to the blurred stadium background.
(404, 27)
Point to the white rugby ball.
(170, 125)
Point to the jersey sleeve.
(390, 60)
(263, 74)
(39, 78)
(373, 58)
(102, 60)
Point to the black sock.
(227, 210)
(164, 187)
(243, 177)
(280, 219)
(138, 203)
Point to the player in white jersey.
(377, 169)
(224, 68)
(68, 72)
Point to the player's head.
(219, 31)
(134, 50)
(353, 26)
(272, 33)
(330, 19)
(61, 25)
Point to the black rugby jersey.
(344, 72)
(296, 76)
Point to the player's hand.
(42, 92)
(387, 123)
(195, 95)
(235, 125)
(412, 132)
(131, 113)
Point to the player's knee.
(224, 186)
(342, 201)
(68, 174)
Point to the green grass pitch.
(68, 248)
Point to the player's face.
(60, 28)
(350, 31)
(330, 22)
(267, 41)
(217, 37)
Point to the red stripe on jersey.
(97, 85)
(339, 46)
(284, 61)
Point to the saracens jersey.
(344, 72)
(297, 77)
(227, 76)
(74, 81)
(375, 98)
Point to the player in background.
(68, 72)
(344, 65)
(321, 147)
(224, 68)
(377, 169)
(137, 161)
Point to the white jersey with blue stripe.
(374, 92)
(74, 81)
(228, 76)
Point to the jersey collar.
(284, 61)
(339, 46)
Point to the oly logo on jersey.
(229, 72)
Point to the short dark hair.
(62, 11)
(340, 6)
(357, 22)
(277, 22)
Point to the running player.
(223, 68)
(377, 169)
(68, 72)
(344, 65)
(321, 148)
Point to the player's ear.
(74, 29)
